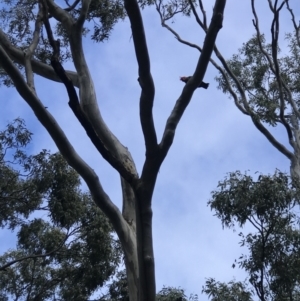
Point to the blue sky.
(213, 137)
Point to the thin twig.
(203, 14)
(197, 16)
(31, 49)
(296, 27)
(3, 268)
(275, 35)
(271, 6)
(258, 34)
(269, 59)
(38, 67)
(218, 67)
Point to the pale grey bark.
(62, 142)
(125, 233)
(134, 225)
(38, 67)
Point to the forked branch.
(217, 66)
(38, 67)
(78, 112)
(188, 90)
(229, 77)
(65, 147)
(275, 35)
(87, 94)
(31, 49)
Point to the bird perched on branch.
(185, 79)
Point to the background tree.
(262, 81)
(23, 46)
(264, 84)
(176, 294)
(118, 290)
(269, 205)
(63, 238)
(74, 244)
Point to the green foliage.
(233, 291)
(253, 66)
(118, 289)
(269, 205)
(174, 294)
(106, 12)
(170, 8)
(66, 248)
(17, 19)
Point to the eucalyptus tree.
(73, 253)
(66, 248)
(269, 208)
(262, 80)
(30, 44)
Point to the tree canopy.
(270, 206)
(44, 37)
(64, 29)
(62, 236)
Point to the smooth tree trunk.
(134, 224)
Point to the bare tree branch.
(271, 138)
(258, 34)
(31, 49)
(38, 67)
(88, 98)
(110, 145)
(83, 12)
(223, 61)
(144, 193)
(202, 24)
(177, 36)
(275, 35)
(245, 108)
(145, 77)
(130, 177)
(59, 13)
(185, 97)
(71, 7)
(235, 80)
(203, 14)
(218, 67)
(254, 118)
(271, 6)
(5, 266)
(66, 149)
(296, 27)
